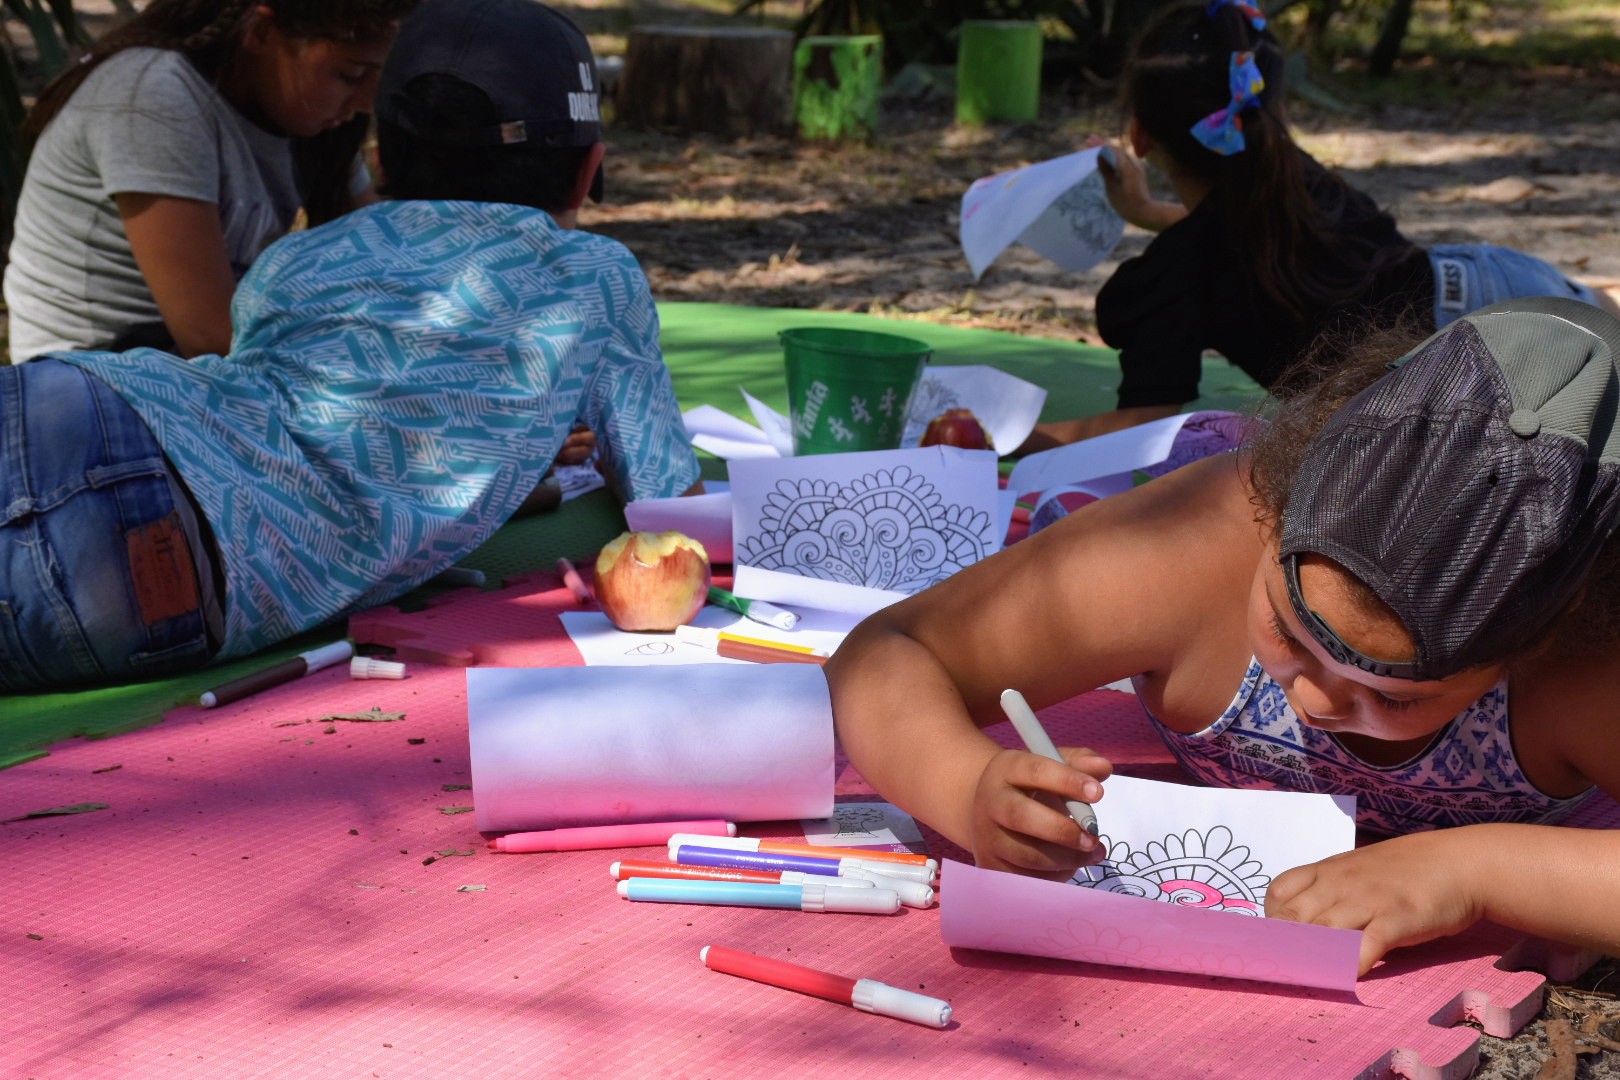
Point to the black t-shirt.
(1190, 291)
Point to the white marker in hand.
(1039, 742)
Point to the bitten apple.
(652, 581)
(957, 427)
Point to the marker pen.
(638, 834)
(710, 638)
(626, 869)
(759, 611)
(699, 855)
(784, 847)
(868, 995)
(912, 893)
(1039, 742)
(575, 583)
(818, 898)
(304, 663)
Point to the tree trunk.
(726, 80)
(1388, 47)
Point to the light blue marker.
(819, 898)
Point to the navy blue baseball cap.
(532, 63)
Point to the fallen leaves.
(370, 716)
(76, 808)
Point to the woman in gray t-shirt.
(173, 152)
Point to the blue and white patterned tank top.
(1468, 773)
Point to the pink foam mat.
(253, 902)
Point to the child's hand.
(1402, 891)
(1019, 822)
(1125, 180)
(578, 447)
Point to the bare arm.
(180, 248)
(1552, 881)
(1102, 595)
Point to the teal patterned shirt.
(399, 380)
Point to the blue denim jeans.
(93, 559)
(1469, 276)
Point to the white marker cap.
(905, 871)
(369, 667)
(613, 871)
(861, 901)
(911, 893)
(799, 877)
(885, 1000)
(706, 636)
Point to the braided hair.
(1274, 223)
(208, 33)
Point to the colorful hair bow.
(1222, 130)
(1256, 17)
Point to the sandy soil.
(873, 228)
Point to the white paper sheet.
(705, 518)
(891, 521)
(1006, 405)
(561, 747)
(1183, 888)
(604, 645)
(726, 436)
(1058, 208)
(865, 824)
(1103, 456)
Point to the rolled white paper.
(561, 747)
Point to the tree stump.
(725, 80)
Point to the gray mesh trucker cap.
(532, 62)
(1471, 487)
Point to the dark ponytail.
(207, 33)
(1177, 76)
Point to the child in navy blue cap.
(400, 381)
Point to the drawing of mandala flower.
(931, 398)
(889, 529)
(1204, 870)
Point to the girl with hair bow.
(1263, 250)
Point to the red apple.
(652, 581)
(957, 427)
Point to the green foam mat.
(712, 349)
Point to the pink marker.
(575, 583)
(642, 834)
(868, 995)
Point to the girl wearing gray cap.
(1342, 607)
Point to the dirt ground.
(1521, 158)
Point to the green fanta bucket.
(849, 389)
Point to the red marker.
(642, 834)
(868, 995)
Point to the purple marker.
(703, 855)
